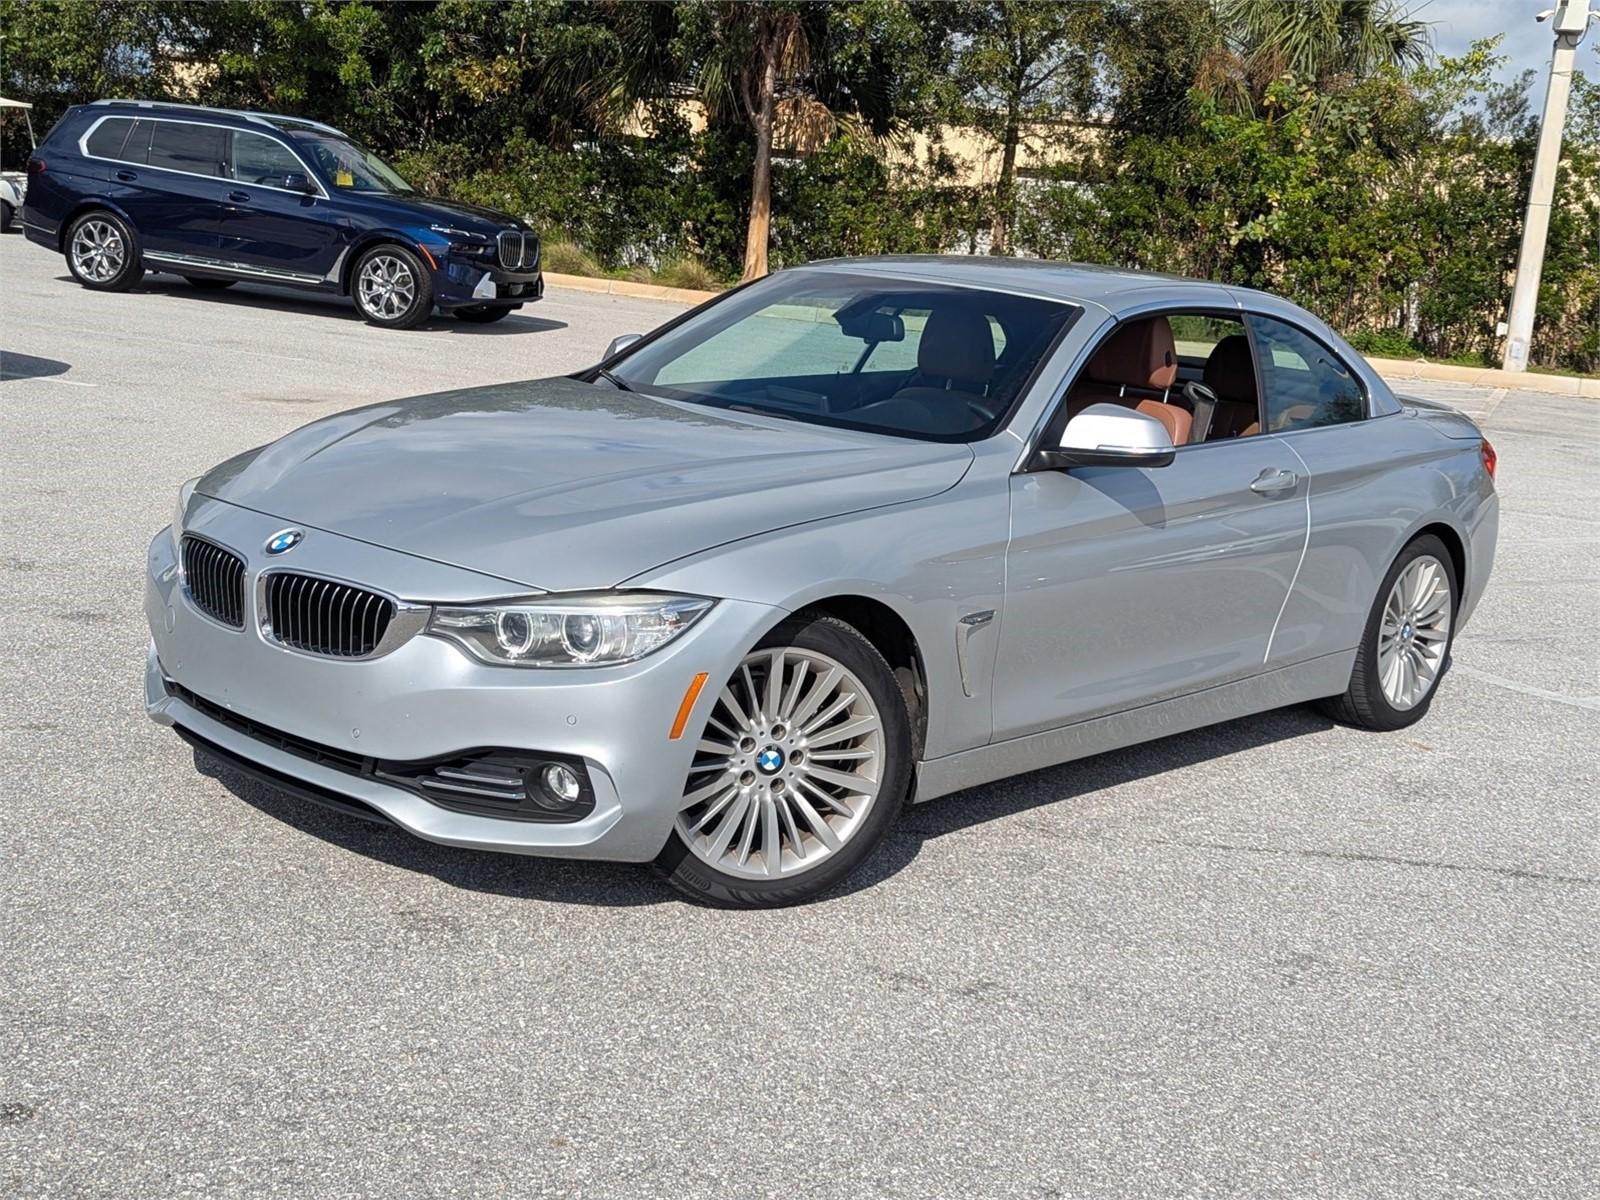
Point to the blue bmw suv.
(121, 187)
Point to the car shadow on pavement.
(289, 300)
(27, 366)
(567, 881)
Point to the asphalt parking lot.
(1274, 958)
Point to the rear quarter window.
(108, 136)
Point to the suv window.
(180, 146)
(1303, 382)
(258, 159)
(108, 136)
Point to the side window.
(180, 146)
(1303, 382)
(108, 136)
(262, 160)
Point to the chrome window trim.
(408, 620)
(83, 149)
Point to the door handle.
(239, 197)
(1273, 480)
(127, 176)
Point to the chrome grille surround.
(213, 579)
(331, 618)
(516, 250)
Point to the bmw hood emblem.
(285, 540)
(770, 761)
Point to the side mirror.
(294, 181)
(618, 344)
(1108, 435)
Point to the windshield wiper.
(614, 380)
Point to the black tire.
(420, 306)
(1364, 704)
(131, 268)
(704, 883)
(5, 216)
(208, 285)
(483, 314)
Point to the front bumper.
(460, 282)
(427, 698)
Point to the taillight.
(36, 166)
(1490, 458)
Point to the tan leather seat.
(1177, 420)
(955, 365)
(1230, 372)
(1140, 355)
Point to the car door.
(178, 211)
(1130, 585)
(269, 227)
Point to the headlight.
(184, 492)
(569, 631)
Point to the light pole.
(1571, 22)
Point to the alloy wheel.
(1414, 632)
(98, 251)
(790, 764)
(386, 287)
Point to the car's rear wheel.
(103, 253)
(803, 765)
(1406, 646)
(208, 285)
(483, 314)
(392, 288)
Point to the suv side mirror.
(618, 344)
(1108, 435)
(294, 181)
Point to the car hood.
(560, 485)
(471, 218)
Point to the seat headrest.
(1140, 354)
(1229, 372)
(957, 345)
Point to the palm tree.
(1324, 43)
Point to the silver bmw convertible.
(858, 535)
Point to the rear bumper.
(427, 699)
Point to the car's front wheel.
(483, 314)
(392, 288)
(103, 253)
(803, 766)
(1406, 645)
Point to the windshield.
(894, 356)
(349, 167)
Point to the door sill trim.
(244, 270)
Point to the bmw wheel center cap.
(770, 761)
(285, 540)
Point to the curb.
(1394, 369)
(626, 287)
(1400, 370)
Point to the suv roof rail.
(267, 119)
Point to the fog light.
(560, 785)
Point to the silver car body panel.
(1055, 614)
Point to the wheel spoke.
(839, 733)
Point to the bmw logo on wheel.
(770, 761)
(285, 540)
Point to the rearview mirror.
(294, 181)
(873, 327)
(620, 343)
(1108, 435)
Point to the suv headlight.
(569, 631)
(184, 493)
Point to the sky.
(1458, 23)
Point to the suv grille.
(518, 251)
(214, 578)
(320, 616)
